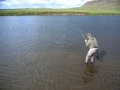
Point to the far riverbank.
(22, 12)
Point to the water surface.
(48, 53)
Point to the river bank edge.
(24, 12)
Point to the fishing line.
(79, 30)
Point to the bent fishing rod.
(79, 30)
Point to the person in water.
(93, 45)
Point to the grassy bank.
(12, 12)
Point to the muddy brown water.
(48, 53)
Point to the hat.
(88, 34)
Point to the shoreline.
(24, 12)
(54, 14)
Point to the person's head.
(88, 35)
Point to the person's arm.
(87, 43)
(96, 43)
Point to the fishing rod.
(79, 31)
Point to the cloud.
(41, 3)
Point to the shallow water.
(48, 53)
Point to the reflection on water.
(89, 73)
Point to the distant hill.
(102, 5)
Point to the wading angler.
(93, 45)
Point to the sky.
(14, 4)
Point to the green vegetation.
(102, 5)
(72, 11)
(108, 7)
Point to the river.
(48, 53)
